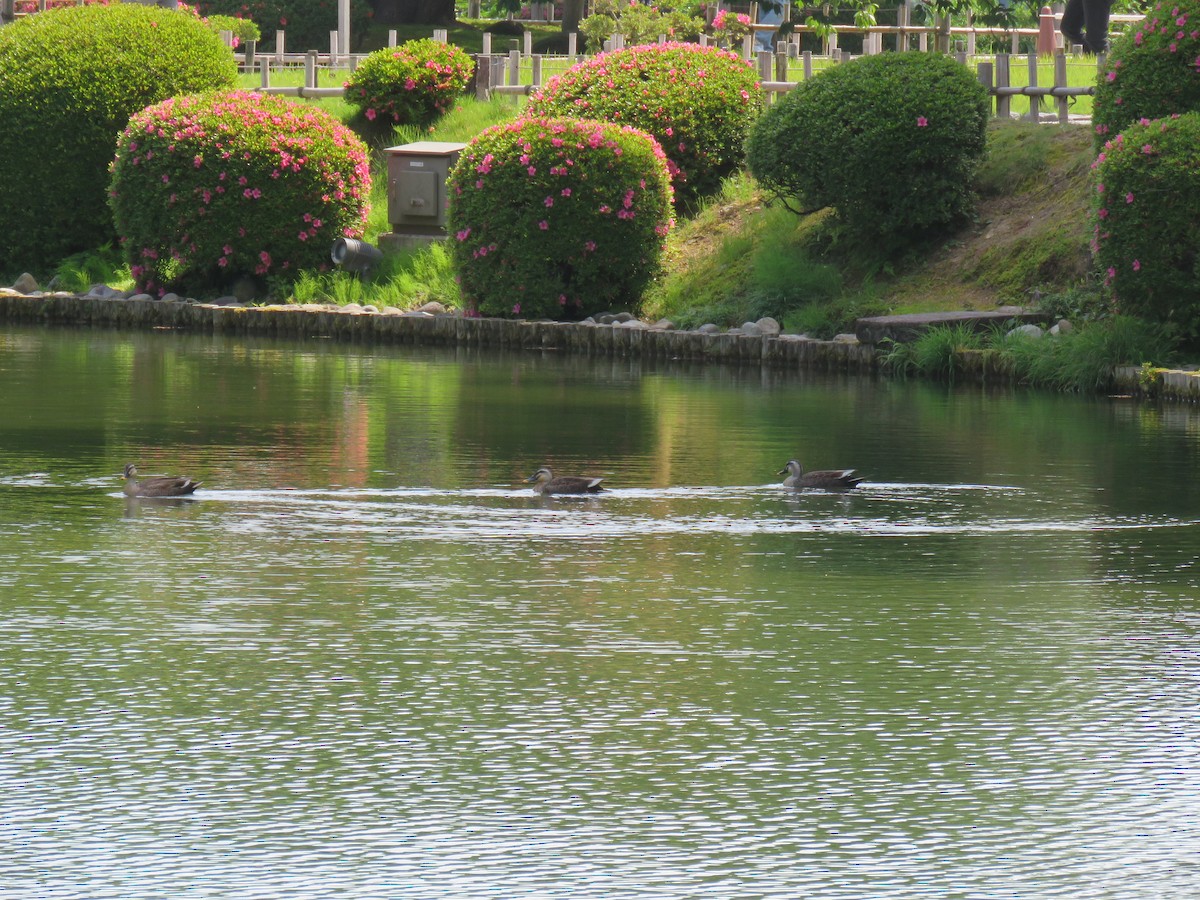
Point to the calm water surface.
(367, 662)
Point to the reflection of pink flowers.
(922, 121)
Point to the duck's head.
(541, 476)
(130, 471)
(793, 467)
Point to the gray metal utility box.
(417, 196)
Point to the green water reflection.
(367, 662)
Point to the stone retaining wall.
(409, 328)
(625, 340)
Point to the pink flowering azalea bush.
(729, 26)
(1147, 220)
(558, 218)
(213, 187)
(241, 29)
(411, 84)
(1152, 71)
(697, 102)
(69, 81)
(891, 142)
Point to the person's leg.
(1071, 25)
(1095, 18)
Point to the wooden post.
(781, 61)
(265, 71)
(528, 43)
(1060, 81)
(279, 48)
(535, 68)
(1003, 101)
(764, 65)
(748, 47)
(572, 45)
(806, 59)
(514, 60)
(902, 13)
(983, 72)
(310, 69)
(487, 43)
(483, 76)
(1035, 102)
(250, 52)
(333, 49)
(392, 37)
(440, 35)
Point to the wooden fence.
(518, 73)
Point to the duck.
(158, 485)
(544, 482)
(823, 479)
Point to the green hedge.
(891, 142)
(69, 80)
(306, 23)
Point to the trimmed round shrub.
(306, 23)
(891, 142)
(69, 81)
(213, 187)
(558, 218)
(1147, 220)
(697, 102)
(411, 84)
(1152, 71)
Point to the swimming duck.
(544, 482)
(824, 479)
(158, 485)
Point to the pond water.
(367, 662)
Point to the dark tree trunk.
(572, 12)
(415, 12)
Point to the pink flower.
(1102, 212)
(544, 225)
(1129, 197)
(516, 309)
(464, 234)
(549, 201)
(370, 113)
(1137, 265)
(922, 121)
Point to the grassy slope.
(1030, 234)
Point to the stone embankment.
(619, 335)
